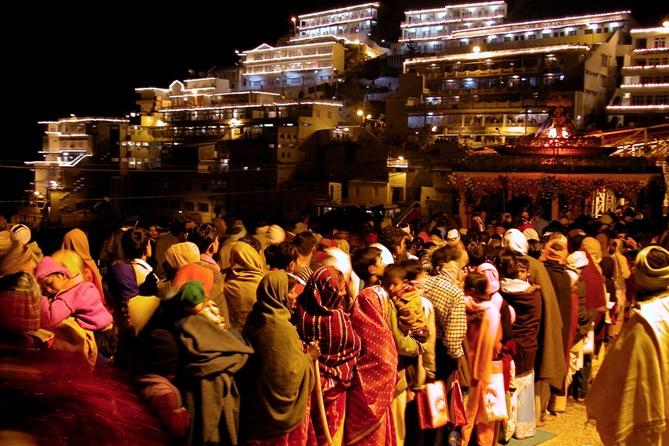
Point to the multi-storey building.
(643, 96)
(291, 67)
(485, 28)
(487, 94)
(204, 152)
(352, 24)
(74, 176)
(429, 30)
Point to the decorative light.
(369, 116)
(360, 112)
(444, 8)
(476, 49)
(639, 107)
(338, 22)
(656, 29)
(645, 67)
(552, 132)
(565, 133)
(434, 129)
(338, 10)
(651, 50)
(202, 79)
(656, 84)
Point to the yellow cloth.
(181, 254)
(629, 399)
(241, 282)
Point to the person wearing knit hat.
(633, 377)
(181, 254)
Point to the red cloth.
(594, 285)
(368, 415)
(320, 317)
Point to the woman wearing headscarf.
(77, 241)
(320, 317)
(211, 357)
(634, 377)
(280, 376)
(237, 232)
(241, 281)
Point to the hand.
(314, 350)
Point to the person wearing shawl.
(554, 255)
(526, 299)
(210, 358)
(237, 232)
(241, 281)
(319, 317)
(76, 241)
(483, 334)
(629, 398)
(181, 254)
(620, 275)
(549, 368)
(369, 419)
(279, 378)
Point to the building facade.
(430, 30)
(351, 24)
(293, 67)
(643, 96)
(206, 152)
(80, 156)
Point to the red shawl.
(320, 317)
(373, 386)
(594, 285)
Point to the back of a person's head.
(534, 248)
(508, 262)
(363, 259)
(134, 241)
(445, 254)
(413, 268)
(391, 237)
(281, 255)
(178, 225)
(251, 240)
(476, 253)
(476, 282)
(305, 242)
(395, 271)
(574, 243)
(203, 236)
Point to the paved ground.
(570, 426)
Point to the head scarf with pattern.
(320, 317)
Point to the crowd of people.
(216, 333)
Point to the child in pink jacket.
(69, 296)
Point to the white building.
(643, 95)
(276, 68)
(428, 28)
(351, 24)
(489, 31)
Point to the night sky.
(86, 58)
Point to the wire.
(212, 194)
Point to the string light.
(447, 7)
(639, 107)
(276, 59)
(274, 104)
(493, 54)
(338, 10)
(75, 120)
(654, 30)
(650, 85)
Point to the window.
(660, 42)
(605, 80)
(204, 187)
(189, 206)
(203, 207)
(661, 99)
(605, 60)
